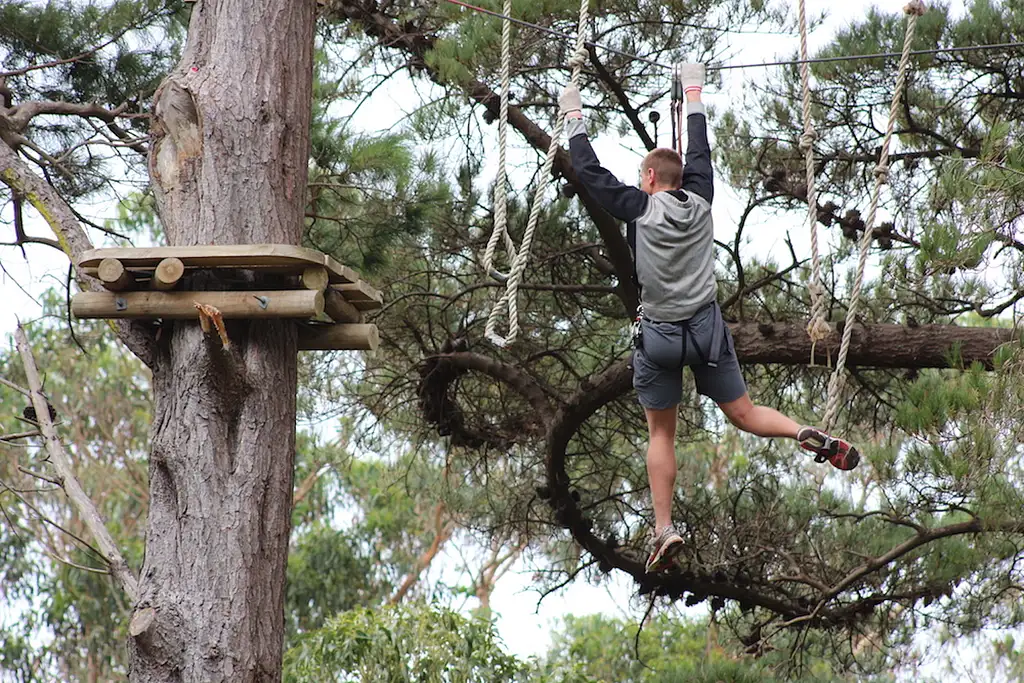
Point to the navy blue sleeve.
(698, 177)
(620, 200)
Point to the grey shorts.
(664, 350)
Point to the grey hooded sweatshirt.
(671, 233)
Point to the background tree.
(544, 435)
(763, 532)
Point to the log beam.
(181, 305)
(167, 274)
(339, 338)
(340, 310)
(315, 277)
(878, 346)
(114, 275)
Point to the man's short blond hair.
(667, 165)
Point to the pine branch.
(17, 175)
(58, 458)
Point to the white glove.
(692, 77)
(570, 103)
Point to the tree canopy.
(532, 453)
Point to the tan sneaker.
(665, 545)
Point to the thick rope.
(511, 294)
(914, 10)
(500, 229)
(818, 328)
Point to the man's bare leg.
(759, 420)
(768, 422)
(661, 463)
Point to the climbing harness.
(677, 109)
(509, 299)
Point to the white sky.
(524, 627)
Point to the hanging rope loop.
(500, 230)
(510, 298)
(818, 328)
(914, 10)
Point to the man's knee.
(662, 422)
(738, 411)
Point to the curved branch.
(525, 385)
(631, 113)
(417, 46)
(74, 241)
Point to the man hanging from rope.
(679, 322)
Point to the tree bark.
(228, 164)
(877, 346)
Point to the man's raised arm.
(698, 176)
(620, 200)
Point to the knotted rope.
(510, 297)
(914, 11)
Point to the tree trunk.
(228, 165)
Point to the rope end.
(818, 329)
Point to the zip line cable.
(728, 67)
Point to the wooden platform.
(149, 283)
(277, 257)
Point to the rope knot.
(579, 57)
(882, 172)
(818, 329)
(807, 139)
(915, 7)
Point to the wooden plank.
(339, 337)
(360, 291)
(297, 303)
(167, 274)
(341, 311)
(361, 295)
(114, 275)
(283, 256)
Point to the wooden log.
(114, 275)
(297, 303)
(341, 337)
(871, 346)
(341, 311)
(167, 274)
(316, 277)
(361, 295)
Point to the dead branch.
(58, 458)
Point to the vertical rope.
(914, 10)
(818, 328)
(500, 229)
(511, 295)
